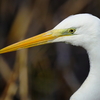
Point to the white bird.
(79, 30)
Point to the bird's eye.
(71, 30)
(68, 31)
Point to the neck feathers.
(90, 89)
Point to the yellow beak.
(43, 38)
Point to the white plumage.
(88, 36)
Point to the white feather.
(88, 36)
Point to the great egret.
(80, 30)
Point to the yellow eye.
(71, 30)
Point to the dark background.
(48, 72)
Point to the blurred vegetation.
(48, 72)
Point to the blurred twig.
(11, 87)
(4, 69)
(23, 76)
(20, 25)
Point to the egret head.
(85, 29)
(79, 30)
